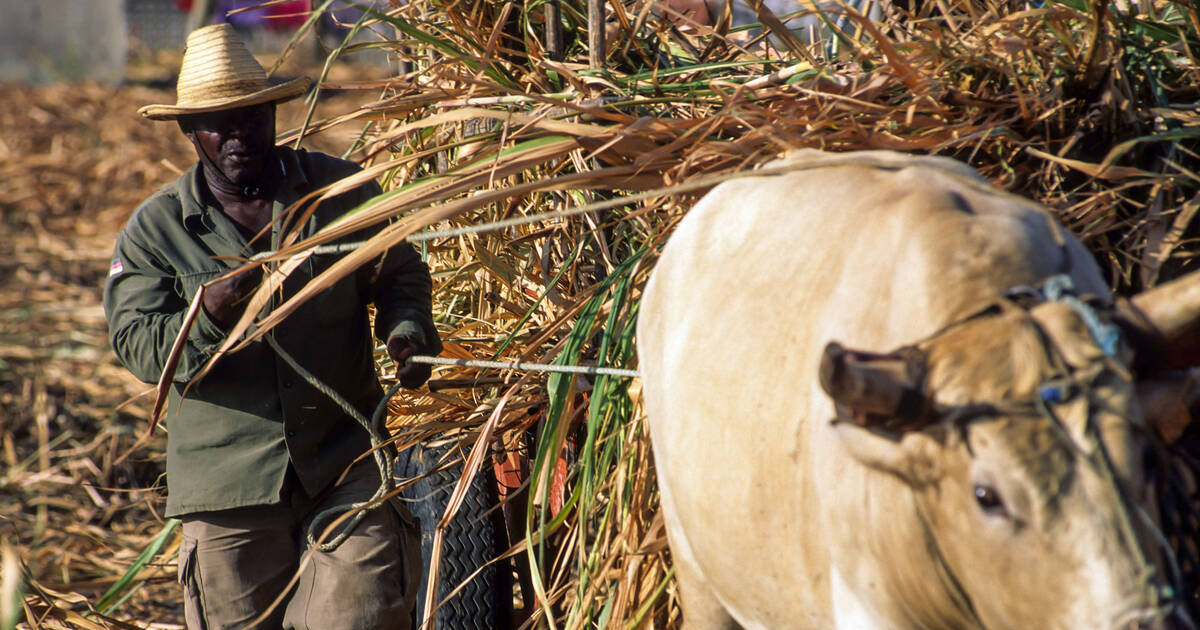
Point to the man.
(254, 450)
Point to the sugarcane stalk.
(596, 33)
(554, 32)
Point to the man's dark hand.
(224, 301)
(410, 375)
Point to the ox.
(975, 461)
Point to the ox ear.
(875, 390)
(1170, 402)
(880, 400)
(1163, 325)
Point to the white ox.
(985, 473)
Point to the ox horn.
(1164, 325)
(880, 389)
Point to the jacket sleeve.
(401, 289)
(402, 299)
(145, 312)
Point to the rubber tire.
(472, 539)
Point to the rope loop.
(1060, 288)
(384, 458)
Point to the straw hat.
(219, 73)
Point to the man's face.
(239, 141)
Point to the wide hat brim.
(276, 93)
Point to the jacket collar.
(197, 215)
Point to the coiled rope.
(383, 456)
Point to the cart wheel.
(472, 539)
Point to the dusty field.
(75, 501)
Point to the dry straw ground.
(74, 163)
(1087, 106)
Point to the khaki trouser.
(234, 564)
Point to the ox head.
(1026, 450)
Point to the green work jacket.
(232, 435)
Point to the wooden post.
(596, 33)
(554, 32)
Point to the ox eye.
(989, 501)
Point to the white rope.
(699, 183)
(340, 248)
(534, 367)
(696, 184)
